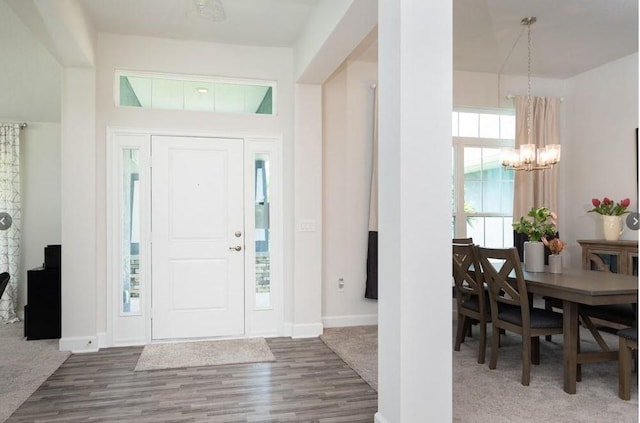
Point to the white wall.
(308, 211)
(40, 183)
(192, 58)
(415, 128)
(30, 77)
(599, 152)
(347, 103)
(476, 89)
(78, 211)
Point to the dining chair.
(628, 342)
(507, 288)
(471, 298)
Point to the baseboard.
(309, 330)
(378, 418)
(287, 329)
(81, 344)
(129, 342)
(102, 340)
(355, 320)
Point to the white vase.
(555, 263)
(534, 256)
(612, 226)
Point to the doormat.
(203, 353)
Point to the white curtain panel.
(536, 188)
(10, 203)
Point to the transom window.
(482, 188)
(195, 93)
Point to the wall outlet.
(341, 284)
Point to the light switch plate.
(306, 225)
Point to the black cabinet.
(42, 314)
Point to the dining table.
(576, 287)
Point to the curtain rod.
(511, 97)
(22, 124)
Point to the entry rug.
(204, 353)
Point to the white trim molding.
(354, 320)
(378, 418)
(308, 330)
(79, 344)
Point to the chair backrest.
(503, 273)
(463, 241)
(467, 274)
(4, 281)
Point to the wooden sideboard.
(610, 256)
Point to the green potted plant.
(539, 223)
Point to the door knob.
(237, 248)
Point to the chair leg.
(578, 365)
(495, 344)
(548, 307)
(483, 342)
(624, 370)
(526, 360)
(460, 331)
(535, 350)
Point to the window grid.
(480, 134)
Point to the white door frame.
(125, 329)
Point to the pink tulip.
(595, 202)
(625, 202)
(606, 201)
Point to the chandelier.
(528, 157)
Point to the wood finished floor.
(307, 383)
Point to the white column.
(308, 211)
(78, 176)
(415, 38)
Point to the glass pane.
(258, 99)
(167, 94)
(131, 232)
(508, 232)
(494, 236)
(229, 98)
(475, 229)
(472, 163)
(472, 196)
(454, 124)
(468, 124)
(135, 91)
(506, 197)
(508, 127)
(489, 126)
(198, 96)
(179, 92)
(262, 232)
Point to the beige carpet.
(484, 395)
(203, 353)
(358, 347)
(24, 366)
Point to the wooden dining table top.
(584, 286)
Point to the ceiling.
(275, 23)
(570, 36)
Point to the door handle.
(237, 248)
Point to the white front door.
(197, 237)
